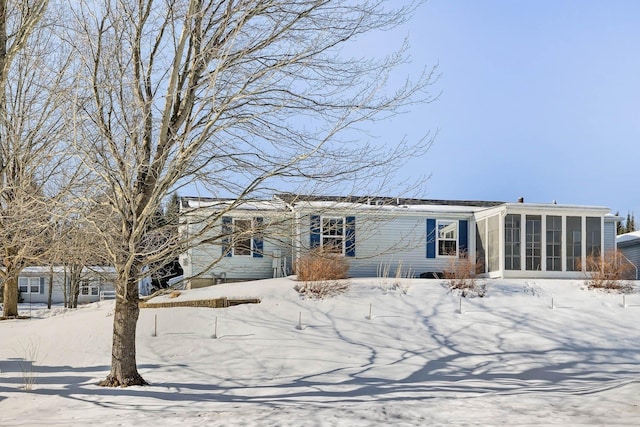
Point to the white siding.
(206, 260)
(387, 242)
(57, 295)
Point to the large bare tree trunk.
(50, 295)
(237, 96)
(10, 296)
(124, 371)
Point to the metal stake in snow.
(370, 307)
(155, 326)
(460, 307)
(299, 327)
(624, 301)
(215, 329)
(553, 306)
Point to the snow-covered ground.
(531, 352)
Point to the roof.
(292, 199)
(225, 203)
(396, 204)
(628, 238)
(46, 269)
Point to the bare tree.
(32, 78)
(238, 96)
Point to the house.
(95, 283)
(260, 239)
(629, 245)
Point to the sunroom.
(541, 240)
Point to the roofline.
(629, 242)
(291, 199)
(555, 205)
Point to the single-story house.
(629, 245)
(96, 282)
(263, 238)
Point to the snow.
(530, 352)
(627, 237)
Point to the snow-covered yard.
(531, 352)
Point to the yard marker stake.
(460, 308)
(299, 327)
(624, 301)
(155, 326)
(553, 306)
(370, 305)
(215, 329)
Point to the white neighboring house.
(517, 240)
(629, 245)
(96, 283)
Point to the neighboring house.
(95, 283)
(629, 245)
(423, 237)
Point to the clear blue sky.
(540, 99)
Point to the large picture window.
(447, 238)
(481, 243)
(574, 243)
(594, 231)
(29, 285)
(333, 235)
(512, 229)
(533, 248)
(554, 243)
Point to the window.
(242, 234)
(493, 247)
(481, 242)
(533, 239)
(594, 231)
(574, 243)
(554, 243)
(447, 238)
(512, 229)
(333, 235)
(29, 285)
(89, 287)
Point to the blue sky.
(540, 99)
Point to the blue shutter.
(258, 240)
(463, 245)
(314, 236)
(431, 238)
(42, 285)
(350, 236)
(227, 231)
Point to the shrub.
(321, 274)
(461, 275)
(610, 271)
(28, 366)
(322, 288)
(319, 265)
(384, 273)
